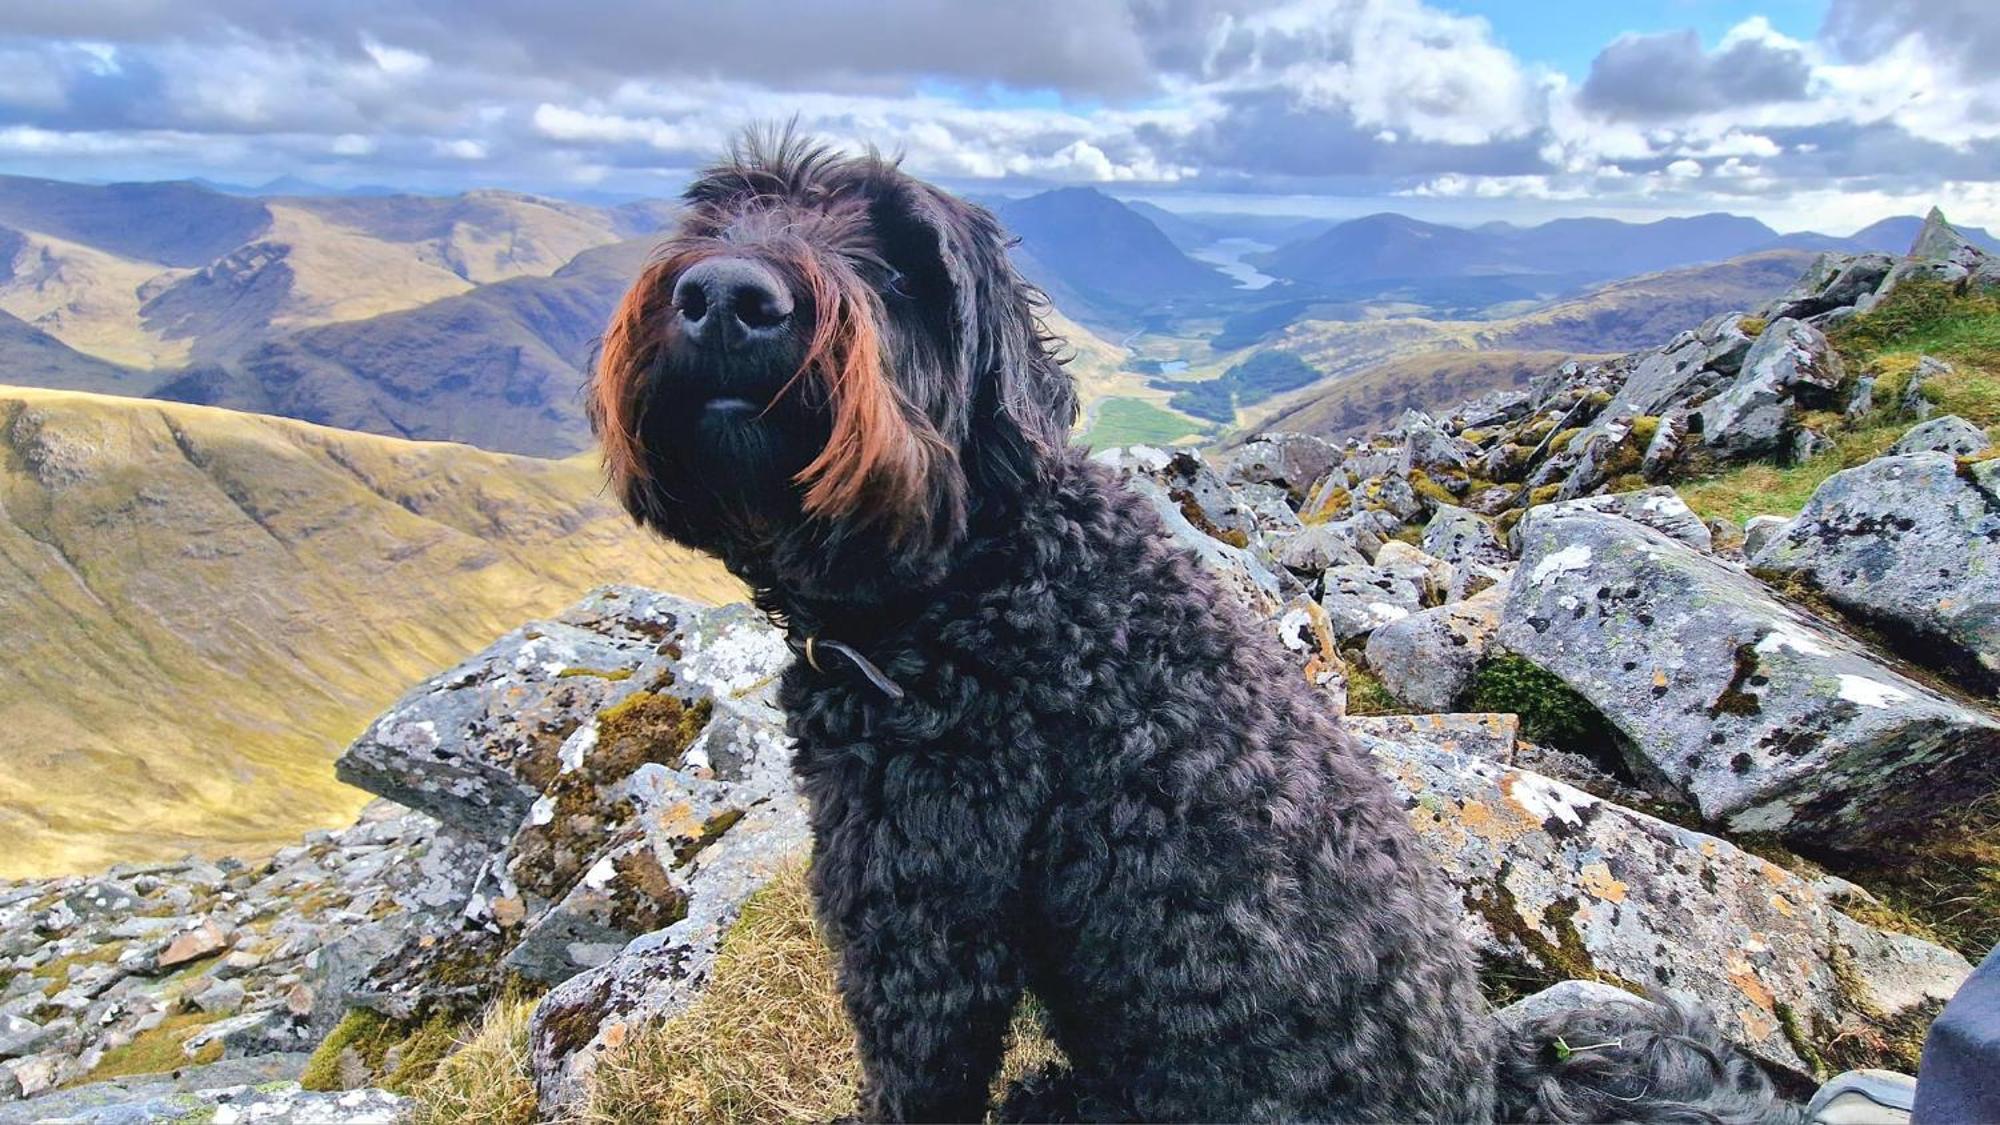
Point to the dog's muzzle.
(728, 303)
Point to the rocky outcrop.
(1570, 885)
(1790, 367)
(1909, 543)
(1762, 716)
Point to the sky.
(1809, 114)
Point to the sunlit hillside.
(202, 607)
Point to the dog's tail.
(1651, 1063)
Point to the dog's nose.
(731, 300)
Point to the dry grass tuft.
(484, 1081)
(768, 1040)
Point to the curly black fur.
(1103, 784)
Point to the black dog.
(1043, 752)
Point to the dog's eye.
(898, 284)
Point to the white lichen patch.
(577, 747)
(1544, 798)
(1571, 558)
(1871, 693)
(543, 811)
(1784, 635)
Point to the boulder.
(1913, 401)
(1790, 363)
(1761, 530)
(1659, 508)
(1471, 543)
(1239, 571)
(1360, 599)
(1431, 576)
(1761, 715)
(1948, 434)
(1912, 544)
(475, 745)
(1570, 886)
(1428, 659)
(1270, 506)
(1832, 282)
(203, 940)
(1427, 447)
(1292, 461)
(1319, 548)
(1939, 253)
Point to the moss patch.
(368, 1047)
(157, 1051)
(1551, 712)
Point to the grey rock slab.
(1293, 461)
(1761, 715)
(1946, 434)
(1428, 659)
(1659, 507)
(1490, 737)
(1911, 542)
(1361, 599)
(466, 746)
(1572, 885)
(1753, 414)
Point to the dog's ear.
(1018, 403)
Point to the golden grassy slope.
(89, 299)
(202, 608)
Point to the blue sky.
(1806, 113)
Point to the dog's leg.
(927, 968)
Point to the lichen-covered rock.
(1428, 659)
(1292, 461)
(1911, 542)
(1432, 576)
(1761, 715)
(474, 746)
(1240, 572)
(1790, 364)
(1319, 548)
(1270, 506)
(1575, 887)
(271, 1101)
(1913, 401)
(1471, 543)
(1360, 599)
(1761, 530)
(1426, 445)
(1490, 737)
(1832, 282)
(1939, 253)
(1659, 508)
(1948, 434)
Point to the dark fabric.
(1958, 1082)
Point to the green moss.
(1551, 713)
(1367, 696)
(393, 1055)
(1428, 488)
(613, 674)
(157, 1051)
(1795, 1034)
(1644, 428)
(1543, 494)
(1561, 441)
(1752, 326)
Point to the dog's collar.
(807, 643)
(812, 649)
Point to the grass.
(1920, 318)
(206, 606)
(1367, 696)
(1131, 421)
(768, 1040)
(485, 1078)
(369, 1048)
(157, 1051)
